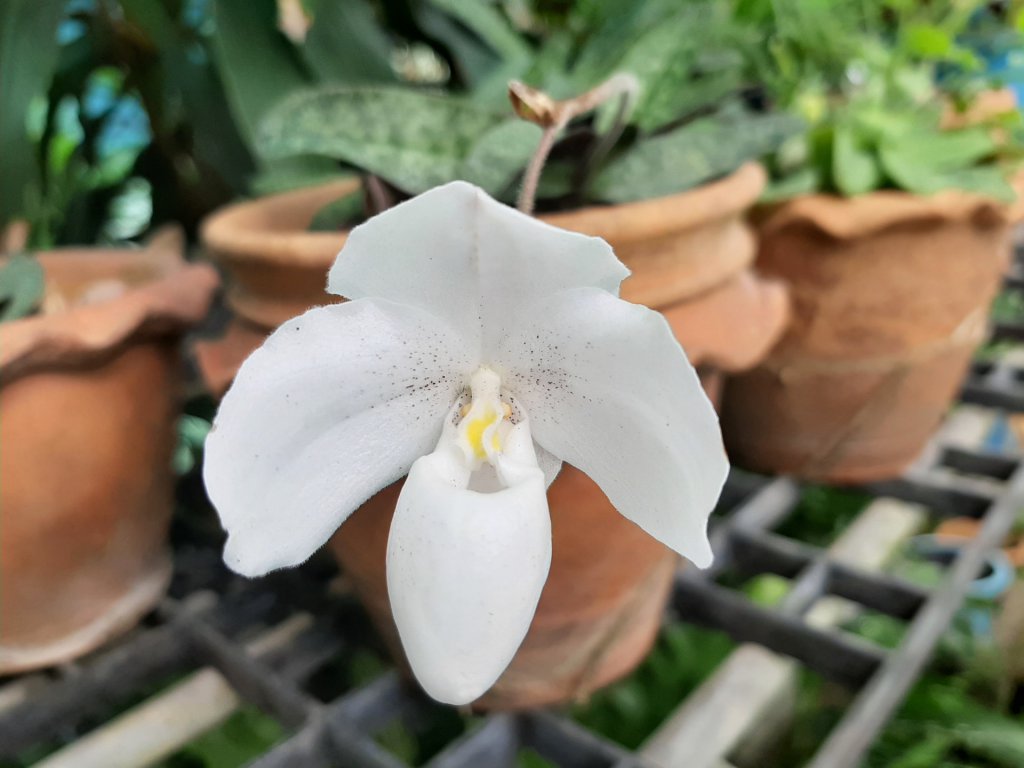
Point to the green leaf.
(473, 61)
(928, 163)
(346, 45)
(611, 29)
(192, 80)
(802, 182)
(630, 710)
(488, 24)
(767, 589)
(193, 430)
(994, 738)
(927, 753)
(876, 124)
(669, 101)
(486, 49)
(559, 179)
(661, 60)
(927, 41)
(879, 629)
(529, 758)
(22, 286)
(28, 58)
(258, 65)
(114, 169)
(688, 156)
(491, 90)
(945, 150)
(397, 739)
(676, 73)
(500, 154)
(296, 172)
(339, 214)
(412, 139)
(854, 167)
(549, 69)
(987, 181)
(241, 738)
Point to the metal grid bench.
(225, 641)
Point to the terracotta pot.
(598, 615)
(276, 268)
(890, 299)
(88, 405)
(681, 245)
(690, 255)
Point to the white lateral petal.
(334, 406)
(610, 391)
(457, 253)
(465, 571)
(549, 464)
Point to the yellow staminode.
(475, 428)
(484, 412)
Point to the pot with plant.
(663, 174)
(892, 229)
(89, 386)
(678, 194)
(480, 349)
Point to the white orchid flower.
(480, 348)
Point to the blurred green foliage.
(127, 113)
(529, 758)
(28, 58)
(965, 712)
(120, 120)
(21, 287)
(414, 138)
(960, 714)
(823, 513)
(192, 432)
(630, 710)
(1008, 307)
(122, 114)
(416, 745)
(246, 734)
(874, 81)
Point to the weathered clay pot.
(690, 255)
(88, 404)
(890, 297)
(601, 608)
(679, 246)
(276, 268)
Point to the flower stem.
(528, 193)
(378, 196)
(554, 116)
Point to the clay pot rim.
(244, 231)
(178, 297)
(849, 218)
(747, 349)
(661, 216)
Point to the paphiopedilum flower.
(480, 348)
